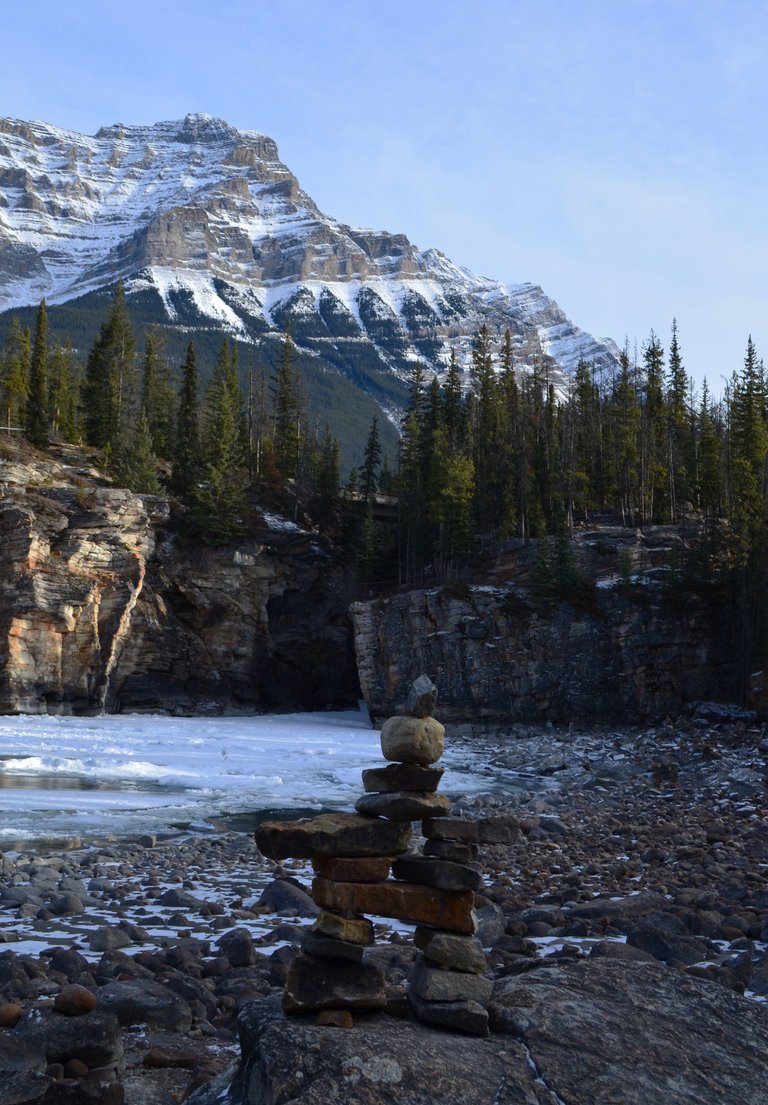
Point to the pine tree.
(679, 443)
(109, 390)
(218, 497)
(654, 477)
(14, 380)
(187, 459)
(286, 436)
(453, 410)
(137, 465)
(327, 477)
(38, 422)
(63, 392)
(158, 395)
(710, 491)
(371, 462)
(485, 433)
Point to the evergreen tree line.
(501, 458)
(507, 457)
(159, 431)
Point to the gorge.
(108, 608)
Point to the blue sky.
(612, 151)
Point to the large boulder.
(138, 1001)
(601, 1031)
(93, 1038)
(381, 1061)
(593, 1032)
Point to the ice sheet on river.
(65, 776)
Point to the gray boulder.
(283, 895)
(381, 1061)
(93, 1038)
(141, 1002)
(600, 1031)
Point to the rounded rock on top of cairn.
(412, 740)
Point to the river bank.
(639, 845)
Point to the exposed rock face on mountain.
(104, 608)
(207, 225)
(497, 658)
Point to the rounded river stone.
(412, 740)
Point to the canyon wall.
(104, 607)
(495, 657)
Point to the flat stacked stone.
(330, 972)
(352, 855)
(446, 983)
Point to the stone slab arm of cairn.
(352, 856)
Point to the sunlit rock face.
(207, 222)
(105, 609)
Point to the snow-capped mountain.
(208, 219)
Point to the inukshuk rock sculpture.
(351, 855)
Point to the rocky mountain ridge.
(206, 224)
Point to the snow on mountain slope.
(198, 209)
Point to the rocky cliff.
(496, 657)
(104, 607)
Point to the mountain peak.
(195, 211)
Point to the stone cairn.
(352, 855)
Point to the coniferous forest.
(484, 456)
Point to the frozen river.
(67, 777)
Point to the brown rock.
(412, 740)
(425, 905)
(10, 1014)
(337, 1018)
(464, 1016)
(326, 947)
(160, 1058)
(346, 869)
(453, 850)
(356, 930)
(489, 830)
(427, 871)
(322, 984)
(74, 1000)
(404, 805)
(437, 984)
(332, 834)
(462, 953)
(401, 777)
(75, 1068)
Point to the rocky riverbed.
(125, 965)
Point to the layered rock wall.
(496, 659)
(105, 608)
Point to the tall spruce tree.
(186, 456)
(109, 391)
(14, 379)
(286, 410)
(63, 394)
(38, 421)
(137, 465)
(371, 462)
(158, 395)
